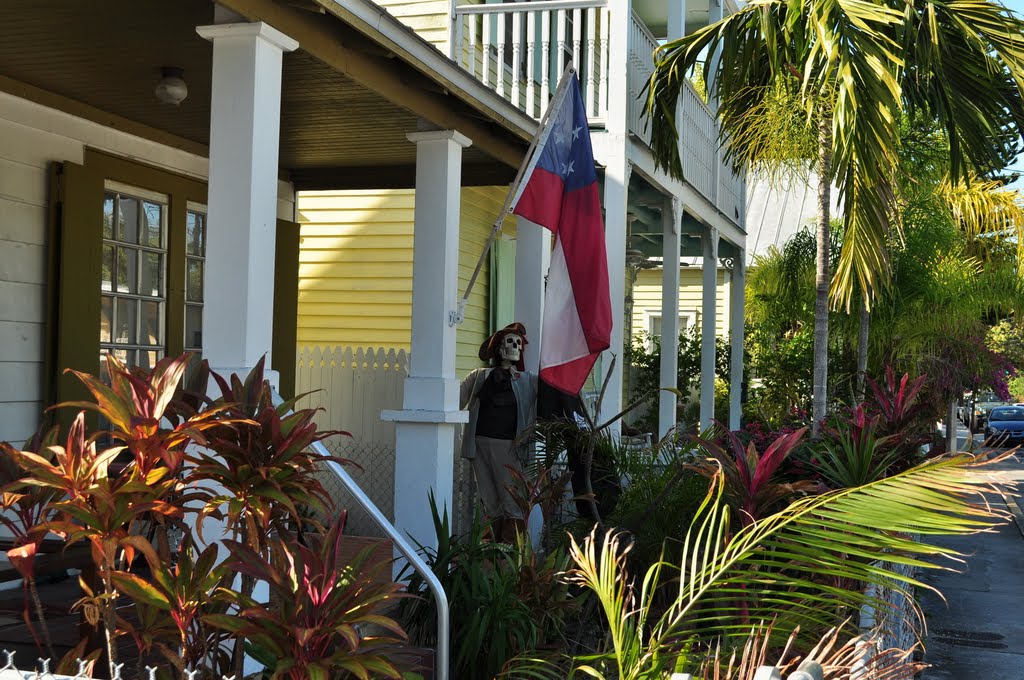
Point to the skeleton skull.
(511, 349)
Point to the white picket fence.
(352, 386)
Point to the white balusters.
(590, 87)
(602, 88)
(473, 21)
(517, 66)
(485, 54)
(500, 63)
(520, 49)
(577, 30)
(560, 59)
(457, 52)
(545, 46)
(531, 65)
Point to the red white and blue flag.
(559, 192)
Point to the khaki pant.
(493, 465)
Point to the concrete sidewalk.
(978, 631)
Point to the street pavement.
(977, 631)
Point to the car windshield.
(1008, 414)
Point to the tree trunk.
(951, 427)
(862, 348)
(822, 277)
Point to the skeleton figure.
(511, 350)
(501, 401)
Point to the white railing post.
(545, 46)
(499, 64)
(591, 85)
(517, 38)
(576, 35)
(531, 65)
(602, 88)
(472, 44)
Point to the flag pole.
(529, 162)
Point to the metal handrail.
(408, 552)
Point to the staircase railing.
(442, 653)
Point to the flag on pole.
(559, 192)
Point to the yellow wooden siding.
(429, 18)
(647, 298)
(355, 268)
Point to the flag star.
(568, 169)
(576, 132)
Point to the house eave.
(374, 22)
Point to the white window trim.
(650, 315)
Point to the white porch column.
(245, 119)
(671, 215)
(737, 288)
(425, 427)
(533, 256)
(708, 318)
(676, 19)
(616, 186)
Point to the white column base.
(424, 463)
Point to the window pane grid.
(133, 296)
(195, 274)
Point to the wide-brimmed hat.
(489, 347)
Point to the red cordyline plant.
(316, 629)
(257, 477)
(106, 509)
(23, 512)
(905, 417)
(171, 606)
(97, 508)
(750, 487)
(260, 478)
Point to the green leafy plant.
(98, 508)
(504, 600)
(171, 605)
(905, 417)
(852, 454)
(777, 564)
(258, 473)
(316, 627)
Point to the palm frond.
(790, 568)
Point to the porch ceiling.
(102, 59)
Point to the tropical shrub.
(643, 357)
(853, 454)
(504, 599)
(792, 568)
(177, 445)
(749, 479)
(316, 628)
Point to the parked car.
(1005, 426)
(978, 415)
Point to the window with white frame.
(654, 324)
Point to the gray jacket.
(525, 389)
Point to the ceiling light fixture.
(172, 88)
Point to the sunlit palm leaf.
(862, 65)
(804, 567)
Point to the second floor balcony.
(521, 49)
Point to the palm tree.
(853, 69)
